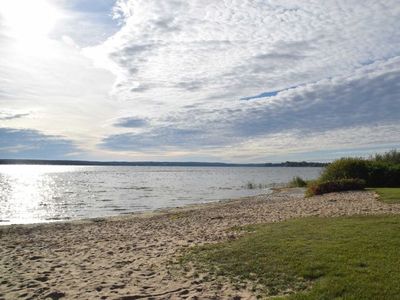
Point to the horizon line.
(122, 162)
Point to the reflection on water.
(30, 194)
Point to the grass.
(388, 195)
(252, 186)
(312, 258)
(297, 182)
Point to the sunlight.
(28, 191)
(27, 19)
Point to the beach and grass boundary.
(312, 258)
(352, 257)
(278, 244)
(388, 195)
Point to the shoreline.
(144, 213)
(129, 256)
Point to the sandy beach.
(130, 257)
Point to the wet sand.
(130, 257)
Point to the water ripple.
(31, 194)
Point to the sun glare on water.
(27, 194)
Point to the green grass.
(388, 195)
(317, 258)
(297, 182)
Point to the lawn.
(388, 195)
(312, 258)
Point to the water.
(32, 194)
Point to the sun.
(29, 19)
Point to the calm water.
(31, 194)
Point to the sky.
(200, 80)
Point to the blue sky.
(248, 81)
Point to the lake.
(43, 193)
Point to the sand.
(130, 257)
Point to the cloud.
(86, 22)
(314, 71)
(159, 139)
(131, 122)
(248, 47)
(8, 115)
(61, 89)
(26, 143)
(352, 105)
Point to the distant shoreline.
(154, 163)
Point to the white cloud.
(51, 79)
(183, 66)
(323, 115)
(6, 115)
(188, 51)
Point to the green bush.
(392, 176)
(346, 168)
(381, 170)
(391, 157)
(378, 174)
(338, 185)
(297, 182)
(375, 172)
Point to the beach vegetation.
(338, 185)
(390, 157)
(345, 168)
(252, 186)
(375, 173)
(380, 170)
(297, 182)
(311, 258)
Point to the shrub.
(339, 185)
(376, 173)
(392, 176)
(390, 157)
(382, 174)
(346, 168)
(297, 182)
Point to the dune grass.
(388, 195)
(297, 182)
(312, 258)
